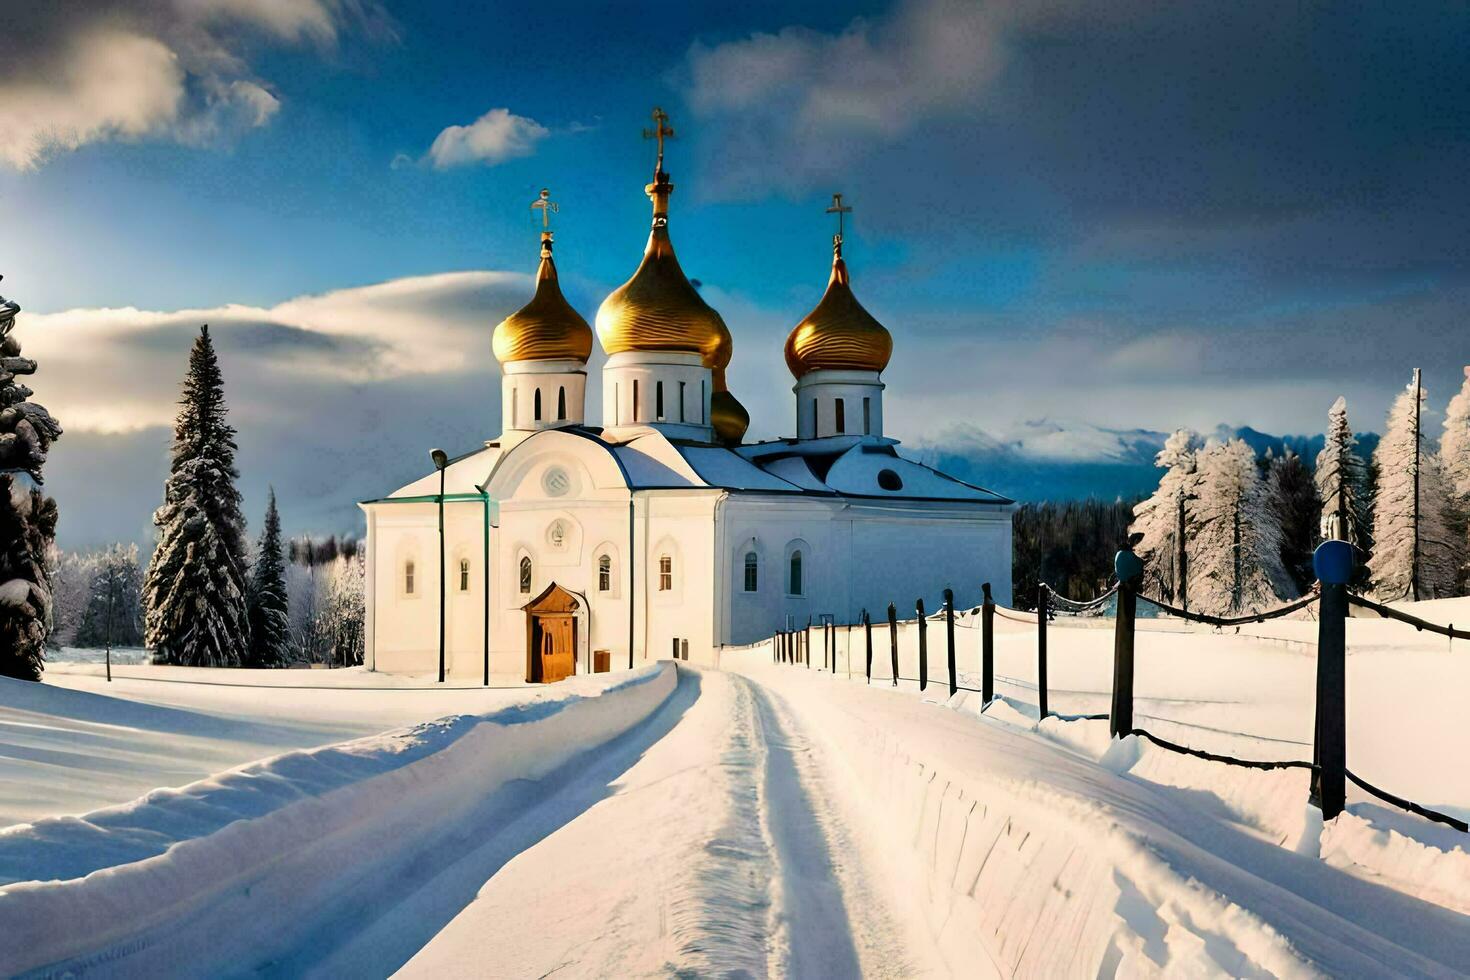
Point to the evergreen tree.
(1069, 545)
(1158, 519)
(1454, 445)
(270, 627)
(1454, 454)
(1344, 485)
(1235, 555)
(195, 587)
(114, 610)
(1293, 498)
(27, 516)
(1414, 550)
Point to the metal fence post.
(893, 639)
(1120, 716)
(987, 647)
(806, 643)
(1041, 615)
(954, 682)
(868, 630)
(1333, 563)
(923, 644)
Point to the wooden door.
(558, 648)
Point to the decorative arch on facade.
(610, 574)
(797, 567)
(409, 579)
(666, 570)
(748, 568)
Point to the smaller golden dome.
(839, 334)
(547, 328)
(726, 414)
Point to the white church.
(571, 547)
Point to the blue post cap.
(1128, 566)
(1333, 562)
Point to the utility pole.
(441, 461)
(1414, 558)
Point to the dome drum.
(839, 403)
(670, 390)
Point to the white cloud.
(495, 137)
(117, 369)
(106, 85)
(76, 74)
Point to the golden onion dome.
(726, 414)
(839, 334)
(658, 309)
(547, 328)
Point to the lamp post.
(441, 460)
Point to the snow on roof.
(464, 474)
(720, 467)
(794, 470)
(863, 472)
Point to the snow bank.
(146, 887)
(1045, 860)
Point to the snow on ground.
(274, 863)
(75, 742)
(722, 852)
(1042, 862)
(761, 820)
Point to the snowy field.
(760, 820)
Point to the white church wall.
(680, 525)
(857, 556)
(405, 623)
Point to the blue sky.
(1117, 213)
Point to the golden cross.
(839, 209)
(547, 207)
(659, 132)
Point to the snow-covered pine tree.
(195, 587)
(1235, 555)
(1158, 517)
(1454, 454)
(114, 611)
(1414, 553)
(27, 516)
(270, 627)
(1294, 499)
(1343, 484)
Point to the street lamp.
(441, 460)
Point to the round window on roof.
(889, 480)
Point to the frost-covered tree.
(1343, 484)
(344, 611)
(195, 587)
(1414, 547)
(270, 626)
(27, 516)
(114, 612)
(1167, 516)
(1454, 446)
(1293, 498)
(1235, 555)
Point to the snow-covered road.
(760, 820)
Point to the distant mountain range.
(1046, 459)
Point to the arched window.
(752, 572)
(604, 573)
(635, 399)
(793, 581)
(665, 573)
(681, 401)
(408, 577)
(841, 416)
(815, 433)
(526, 575)
(867, 416)
(561, 404)
(536, 403)
(658, 400)
(514, 411)
(464, 575)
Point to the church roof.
(859, 468)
